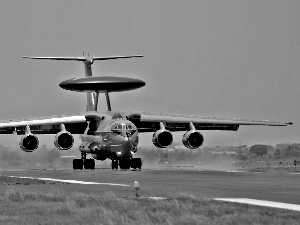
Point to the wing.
(149, 122)
(74, 123)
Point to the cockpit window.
(124, 127)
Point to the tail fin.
(92, 98)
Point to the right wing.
(74, 123)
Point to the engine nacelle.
(63, 140)
(162, 138)
(193, 139)
(29, 142)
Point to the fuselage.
(110, 136)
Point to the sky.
(233, 58)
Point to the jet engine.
(63, 140)
(192, 139)
(162, 138)
(29, 142)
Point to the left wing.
(149, 122)
(74, 123)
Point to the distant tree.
(277, 153)
(291, 151)
(259, 150)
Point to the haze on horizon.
(208, 58)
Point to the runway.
(276, 187)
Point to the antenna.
(92, 98)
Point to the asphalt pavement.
(279, 187)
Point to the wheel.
(86, 164)
(136, 163)
(89, 164)
(77, 164)
(133, 164)
(92, 164)
(124, 164)
(140, 164)
(114, 164)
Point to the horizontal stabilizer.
(116, 57)
(57, 58)
(82, 58)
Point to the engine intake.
(162, 138)
(29, 142)
(63, 140)
(193, 139)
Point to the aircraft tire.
(92, 164)
(77, 164)
(89, 164)
(133, 164)
(124, 164)
(114, 164)
(140, 163)
(136, 163)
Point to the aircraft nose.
(128, 144)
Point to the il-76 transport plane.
(114, 135)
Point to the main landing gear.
(126, 163)
(79, 164)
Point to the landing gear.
(136, 163)
(89, 164)
(114, 164)
(126, 164)
(78, 164)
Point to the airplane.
(112, 134)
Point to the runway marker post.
(136, 186)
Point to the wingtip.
(25, 57)
(289, 123)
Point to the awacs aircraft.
(111, 134)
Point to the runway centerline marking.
(73, 181)
(279, 205)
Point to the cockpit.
(124, 127)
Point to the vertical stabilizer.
(92, 98)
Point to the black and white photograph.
(150, 112)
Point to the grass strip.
(58, 207)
